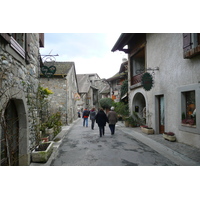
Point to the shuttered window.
(191, 44)
(20, 42)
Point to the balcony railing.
(136, 79)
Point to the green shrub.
(106, 103)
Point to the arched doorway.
(139, 105)
(10, 136)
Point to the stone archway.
(10, 136)
(14, 134)
(139, 105)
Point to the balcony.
(136, 79)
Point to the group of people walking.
(101, 119)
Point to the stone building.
(91, 89)
(19, 72)
(65, 90)
(117, 80)
(169, 93)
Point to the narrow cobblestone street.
(83, 147)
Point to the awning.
(124, 96)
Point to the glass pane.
(190, 104)
(162, 116)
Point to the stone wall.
(19, 81)
(57, 100)
(64, 89)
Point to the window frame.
(182, 107)
(136, 78)
(191, 45)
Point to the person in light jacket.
(112, 120)
(92, 117)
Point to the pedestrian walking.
(112, 120)
(101, 119)
(92, 117)
(85, 116)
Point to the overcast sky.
(91, 52)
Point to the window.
(137, 66)
(191, 44)
(189, 109)
(189, 115)
(20, 38)
(20, 42)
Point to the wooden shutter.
(198, 38)
(41, 39)
(186, 41)
(6, 36)
(27, 48)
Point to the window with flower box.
(189, 114)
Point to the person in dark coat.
(92, 117)
(101, 119)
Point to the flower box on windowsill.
(147, 130)
(169, 136)
(189, 123)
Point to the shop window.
(189, 109)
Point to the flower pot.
(147, 130)
(50, 132)
(126, 123)
(42, 153)
(171, 138)
(45, 139)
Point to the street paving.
(83, 147)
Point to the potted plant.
(169, 136)
(132, 122)
(146, 129)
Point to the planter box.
(147, 130)
(43, 153)
(171, 138)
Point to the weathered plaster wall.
(166, 52)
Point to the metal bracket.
(153, 69)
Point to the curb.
(175, 157)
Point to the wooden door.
(161, 114)
(10, 136)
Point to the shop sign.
(48, 71)
(147, 81)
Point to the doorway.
(10, 136)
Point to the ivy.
(124, 88)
